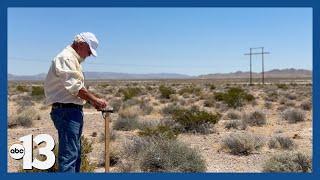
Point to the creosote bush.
(288, 162)
(149, 154)
(190, 90)
(169, 109)
(242, 143)
(22, 88)
(162, 131)
(195, 120)
(282, 86)
(130, 92)
(37, 91)
(234, 97)
(166, 91)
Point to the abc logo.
(24, 151)
(16, 151)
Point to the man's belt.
(66, 105)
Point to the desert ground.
(182, 125)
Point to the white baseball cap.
(91, 40)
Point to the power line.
(262, 53)
(40, 60)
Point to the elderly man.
(65, 91)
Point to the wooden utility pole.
(262, 55)
(262, 66)
(250, 66)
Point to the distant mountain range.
(275, 73)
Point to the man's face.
(84, 50)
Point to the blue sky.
(189, 41)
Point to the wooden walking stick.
(106, 116)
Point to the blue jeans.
(69, 123)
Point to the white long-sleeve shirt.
(65, 78)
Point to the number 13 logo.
(26, 151)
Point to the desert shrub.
(222, 107)
(271, 96)
(23, 102)
(195, 120)
(209, 101)
(86, 148)
(288, 162)
(160, 155)
(114, 158)
(291, 96)
(130, 102)
(294, 84)
(268, 104)
(232, 114)
(149, 88)
(282, 100)
(255, 118)
(174, 98)
(161, 131)
(166, 91)
(146, 108)
(130, 92)
(281, 108)
(102, 137)
(235, 124)
(104, 85)
(293, 115)
(281, 142)
(212, 87)
(22, 88)
(190, 90)
(125, 124)
(37, 91)
(116, 104)
(169, 109)
(242, 143)
(282, 86)
(131, 112)
(306, 105)
(234, 97)
(219, 96)
(290, 103)
(25, 118)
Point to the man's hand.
(98, 103)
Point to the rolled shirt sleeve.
(69, 71)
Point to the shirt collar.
(80, 59)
